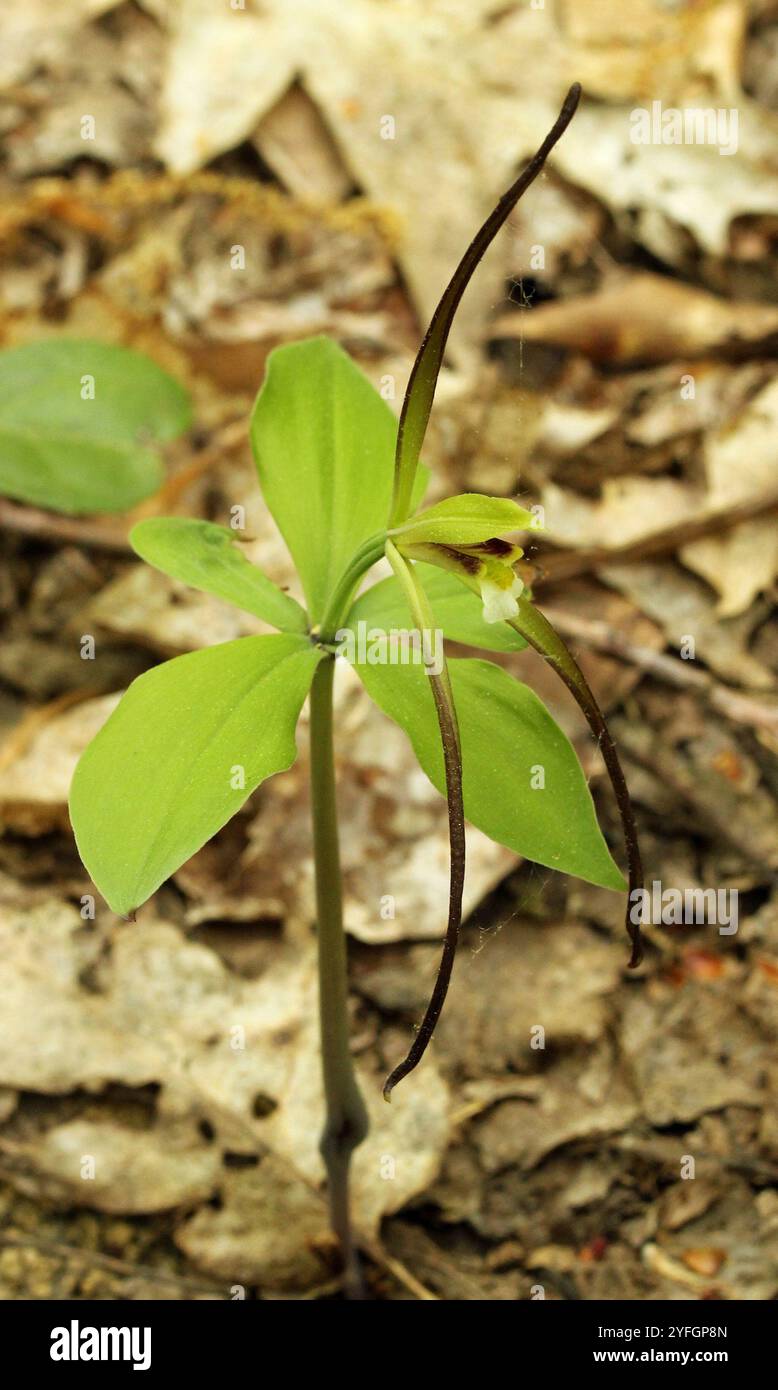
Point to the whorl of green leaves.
(191, 739)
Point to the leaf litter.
(505, 1165)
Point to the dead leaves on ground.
(233, 1067)
(636, 404)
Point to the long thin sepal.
(452, 761)
(424, 374)
(538, 632)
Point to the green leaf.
(162, 775)
(539, 633)
(61, 449)
(505, 733)
(457, 611)
(323, 441)
(209, 558)
(464, 520)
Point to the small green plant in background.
(81, 423)
(191, 739)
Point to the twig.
(383, 1259)
(47, 526)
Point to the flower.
(500, 604)
(486, 568)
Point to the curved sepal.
(424, 375)
(451, 751)
(468, 519)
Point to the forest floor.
(615, 363)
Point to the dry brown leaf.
(264, 1232)
(692, 1054)
(241, 1054)
(684, 608)
(658, 409)
(740, 463)
(628, 510)
(705, 1260)
(650, 48)
(226, 70)
(31, 32)
(34, 786)
(688, 186)
(294, 141)
(146, 607)
(114, 1168)
(576, 1102)
(642, 318)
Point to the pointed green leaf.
(457, 611)
(464, 520)
(506, 735)
(79, 422)
(539, 633)
(209, 558)
(323, 441)
(188, 742)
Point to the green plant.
(343, 483)
(81, 422)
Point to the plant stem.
(340, 599)
(346, 1123)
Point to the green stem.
(346, 1123)
(367, 555)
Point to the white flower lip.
(499, 604)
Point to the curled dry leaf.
(684, 185)
(642, 318)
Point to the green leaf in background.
(62, 447)
(323, 441)
(464, 520)
(457, 611)
(188, 742)
(505, 733)
(209, 558)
